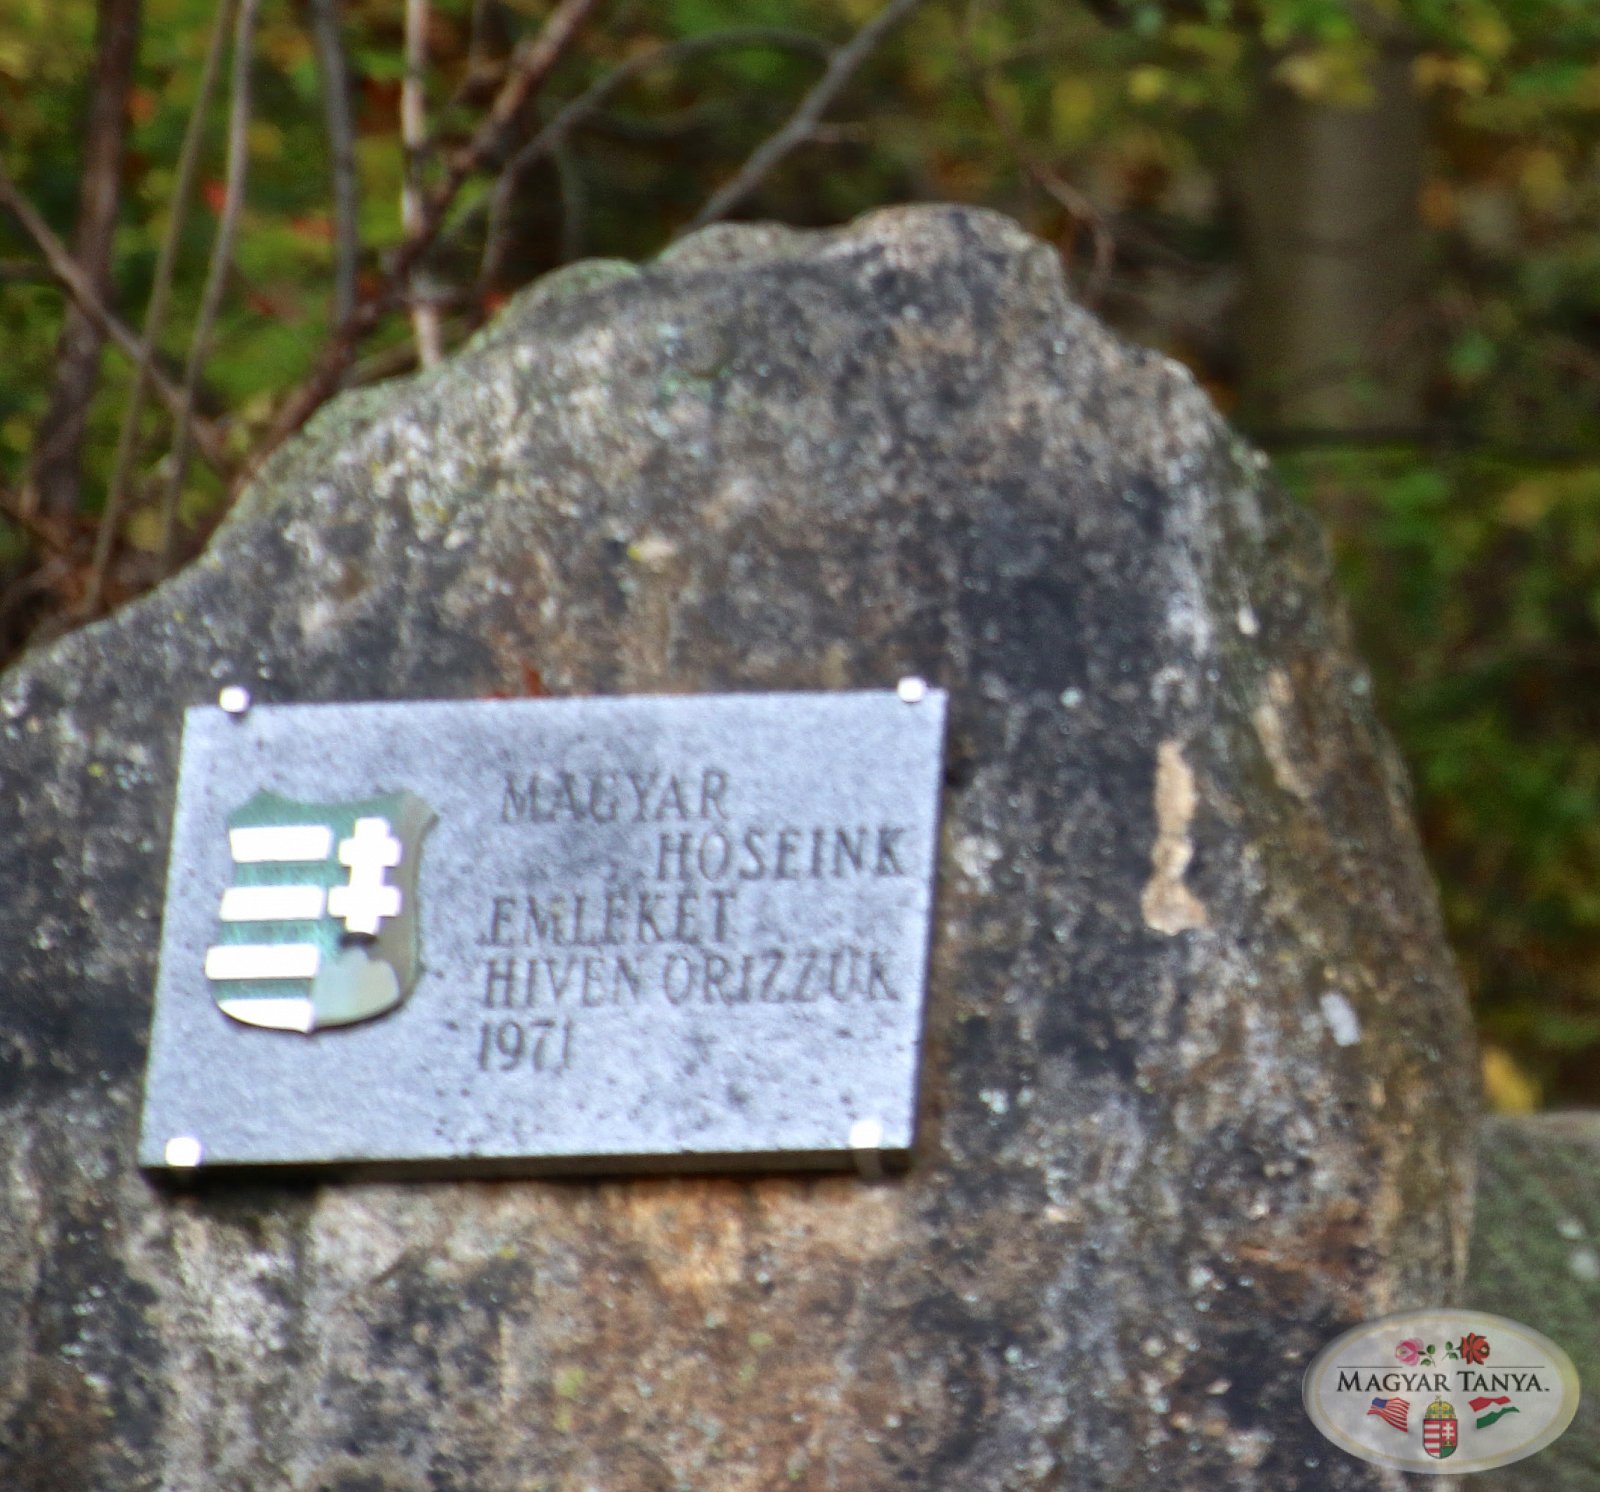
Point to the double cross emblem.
(319, 927)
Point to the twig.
(55, 472)
(1443, 441)
(24, 272)
(1077, 205)
(51, 533)
(488, 47)
(156, 310)
(574, 205)
(531, 65)
(217, 272)
(841, 66)
(65, 271)
(413, 140)
(335, 72)
(590, 101)
(54, 575)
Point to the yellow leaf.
(1073, 106)
(143, 531)
(1147, 84)
(266, 141)
(1488, 34)
(1543, 179)
(1330, 75)
(1436, 70)
(1506, 1087)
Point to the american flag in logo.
(1392, 1411)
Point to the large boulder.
(1198, 1083)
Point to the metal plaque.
(547, 935)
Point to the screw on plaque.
(235, 699)
(184, 1153)
(866, 1148)
(912, 689)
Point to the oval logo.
(1441, 1392)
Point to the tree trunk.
(1333, 253)
(57, 474)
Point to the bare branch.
(56, 471)
(217, 272)
(531, 65)
(574, 205)
(589, 103)
(335, 70)
(413, 141)
(53, 534)
(156, 311)
(799, 126)
(65, 271)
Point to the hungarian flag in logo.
(1483, 1421)
(1439, 1429)
(1391, 1412)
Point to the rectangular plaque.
(547, 935)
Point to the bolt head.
(184, 1152)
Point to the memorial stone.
(1197, 1080)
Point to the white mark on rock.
(1340, 1015)
(1585, 1265)
(1247, 621)
(652, 551)
(1268, 720)
(1570, 1229)
(976, 855)
(1168, 905)
(996, 1101)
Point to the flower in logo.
(1409, 1351)
(1474, 1349)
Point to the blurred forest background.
(1372, 229)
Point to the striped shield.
(1440, 1429)
(319, 925)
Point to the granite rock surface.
(1198, 1086)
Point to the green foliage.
(1476, 587)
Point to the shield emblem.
(1440, 1429)
(319, 925)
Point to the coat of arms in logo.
(1440, 1429)
(319, 927)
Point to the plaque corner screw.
(912, 690)
(184, 1153)
(235, 699)
(866, 1148)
